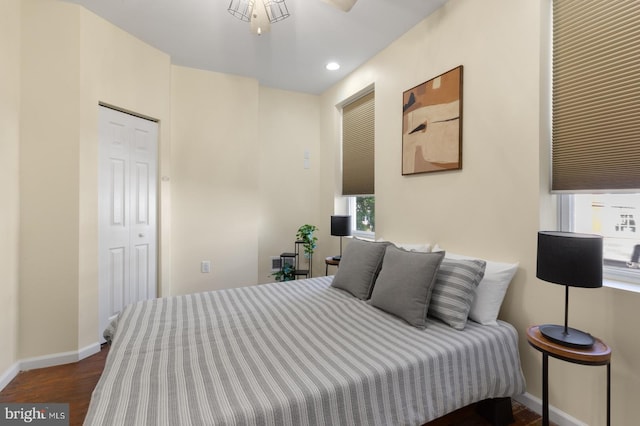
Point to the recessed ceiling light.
(333, 66)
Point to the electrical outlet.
(205, 266)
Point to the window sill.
(621, 278)
(621, 285)
(363, 235)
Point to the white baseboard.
(9, 375)
(47, 361)
(87, 351)
(555, 415)
(59, 358)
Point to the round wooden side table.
(598, 354)
(330, 261)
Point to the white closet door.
(127, 211)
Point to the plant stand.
(296, 255)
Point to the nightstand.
(330, 261)
(598, 354)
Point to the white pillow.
(491, 290)
(421, 248)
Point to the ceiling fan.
(262, 13)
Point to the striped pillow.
(454, 290)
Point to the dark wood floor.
(73, 384)
(468, 417)
(69, 383)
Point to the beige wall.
(48, 178)
(119, 70)
(214, 180)
(239, 189)
(71, 61)
(289, 125)
(494, 206)
(9, 189)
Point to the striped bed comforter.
(294, 353)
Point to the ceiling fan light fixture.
(276, 10)
(260, 13)
(241, 9)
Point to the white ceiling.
(202, 34)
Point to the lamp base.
(573, 338)
(337, 258)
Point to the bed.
(294, 353)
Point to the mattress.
(294, 353)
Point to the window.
(363, 215)
(617, 218)
(595, 114)
(358, 162)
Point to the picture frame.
(432, 124)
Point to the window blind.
(358, 137)
(596, 95)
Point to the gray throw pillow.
(455, 289)
(359, 267)
(404, 285)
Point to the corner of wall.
(10, 59)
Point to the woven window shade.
(358, 136)
(596, 95)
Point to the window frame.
(614, 277)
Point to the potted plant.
(287, 273)
(305, 234)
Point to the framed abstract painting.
(432, 125)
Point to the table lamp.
(340, 227)
(569, 259)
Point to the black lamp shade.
(572, 260)
(569, 258)
(341, 226)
